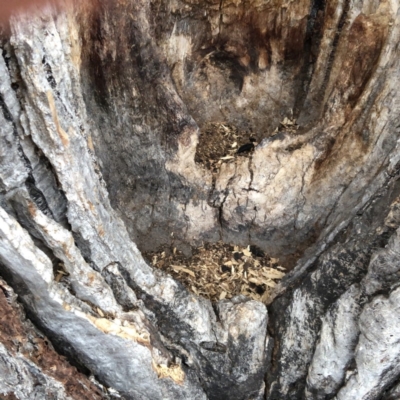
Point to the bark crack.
(301, 205)
(220, 22)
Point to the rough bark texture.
(100, 112)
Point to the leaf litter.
(219, 143)
(218, 270)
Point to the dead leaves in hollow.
(287, 125)
(218, 271)
(218, 144)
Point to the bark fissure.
(100, 114)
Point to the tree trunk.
(103, 114)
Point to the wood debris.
(218, 271)
(289, 125)
(219, 143)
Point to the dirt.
(219, 143)
(222, 143)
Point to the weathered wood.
(101, 109)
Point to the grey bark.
(100, 115)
